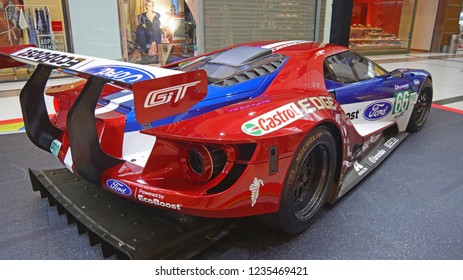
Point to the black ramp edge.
(125, 228)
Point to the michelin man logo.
(254, 188)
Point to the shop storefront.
(233, 22)
(382, 26)
(138, 31)
(38, 22)
(153, 32)
(159, 32)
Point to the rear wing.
(158, 93)
(112, 70)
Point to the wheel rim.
(310, 184)
(422, 106)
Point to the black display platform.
(124, 228)
(408, 208)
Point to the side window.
(341, 67)
(349, 67)
(327, 72)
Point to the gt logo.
(166, 95)
(159, 98)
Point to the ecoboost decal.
(273, 120)
(58, 59)
(156, 199)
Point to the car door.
(366, 92)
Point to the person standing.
(149, 34)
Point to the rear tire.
(307, 182)
(422, 107)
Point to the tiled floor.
(446, 70)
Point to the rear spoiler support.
(89, 159)
(39, 129)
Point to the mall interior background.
(112, 28)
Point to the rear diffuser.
(124, 228)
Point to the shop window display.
(381, 25)
(31, 22)
(161, 31)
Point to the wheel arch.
(334, 130)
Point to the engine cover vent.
(258, 71)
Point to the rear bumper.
(235, 201)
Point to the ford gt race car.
(274, 129)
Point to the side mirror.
(398, 74)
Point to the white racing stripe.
(137, 147)
(114, 104)
(68, 162)
(282, 45)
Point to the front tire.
(307, 182)
(422, 107)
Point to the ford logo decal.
(118, 187)
(377, 110)
(125, 74)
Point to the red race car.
(267, 128)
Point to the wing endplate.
(168, 96)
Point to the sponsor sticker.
(353, 115)
(377, 110)
(374, 158)
(370, 141)
(243, 107)
(55, 147)
(157, 200)
(51, 57)
(125, 74)
(401, 87)
(311, 104)
(273, 120)
(254, 188)
(118, 187)
(359, 168)
(391, 142)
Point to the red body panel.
(300, 83)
